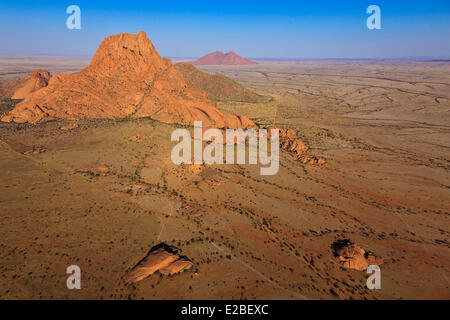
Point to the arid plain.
(383, 128)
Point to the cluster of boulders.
(97, 171)
(34, 150)
(352, 256)
(137, 138)
(289, 141)
(163, 258)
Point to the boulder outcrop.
(162, 258)
(291, 143)
(352, 256)
(21, 89)
(97, 171)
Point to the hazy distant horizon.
(424, 59)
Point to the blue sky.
(257, 29)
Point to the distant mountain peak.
(220, 58)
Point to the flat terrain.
(383, 128)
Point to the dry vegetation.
(218, 87)
(383, 128)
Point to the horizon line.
(412, 58)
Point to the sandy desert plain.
(383, 128)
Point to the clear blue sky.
(256, 29)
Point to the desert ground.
(383, 128)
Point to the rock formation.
(351, 256)
(217, 87)
(34, 151)
(162, 258)
(138, 138)
(20, 89)
(69, 126)
(290, 142)
(220, 58)
(97, 171)
(126, 78)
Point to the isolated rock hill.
(220, 58)
(20, 89)
(97, 171)
(126, 78)
(163, 258)
(352, 256)
(217, 87)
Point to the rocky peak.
(20, 89)
(126, 78)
